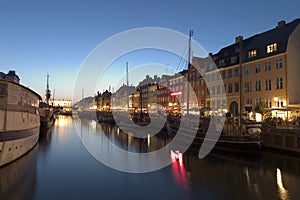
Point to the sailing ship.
(237, 134)
(19, 118)
(47, 117)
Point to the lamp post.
(276, 100)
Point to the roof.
(258, 42)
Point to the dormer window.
(252, 53)
(272, 47)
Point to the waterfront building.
(60, 103)
(121, 98)
(103, 101)
(177, 92)
(163, 94)
(146, 93)
(268, 65)
(10, 76)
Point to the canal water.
(61, 167)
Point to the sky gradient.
(39, 37)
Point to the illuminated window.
(269, 101)
(252, 53)
(271, 48)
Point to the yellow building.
(61, 103)
(262, 70)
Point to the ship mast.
(189, 69)
(48, 92)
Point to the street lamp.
(275, 99)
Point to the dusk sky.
(39, 37)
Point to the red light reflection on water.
(178, 169)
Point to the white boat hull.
(11, 150)
(19, 121)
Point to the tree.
(260, 108)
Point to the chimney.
(238, 39)
(280, 24)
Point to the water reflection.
(178, 169)
(63, 121)
(18, 179)
(67, 165)
(282, 191)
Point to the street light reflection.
(178, 169)
(282, 191)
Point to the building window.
(279, 83)
(267, 66)
(248, 101)
(252, 53)
(230, 88)
(202, 82)
(271, 48)
(208, 77)
(218, 89)
(248, 87)
(257, 86)
(278, 63)
(213, 77)
(257, 68)
(236, 71)
(224, 89)
(269, 102)
(236, 87)
(233, 59)
(258, 101)
(247, 70)
(223, 73)
(213, 90)
(229, 73)
(218, 76)
(208, 104)
(268, 84)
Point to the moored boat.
(47, 117)
(19, 118)
(231, 139)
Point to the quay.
(282, 139)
